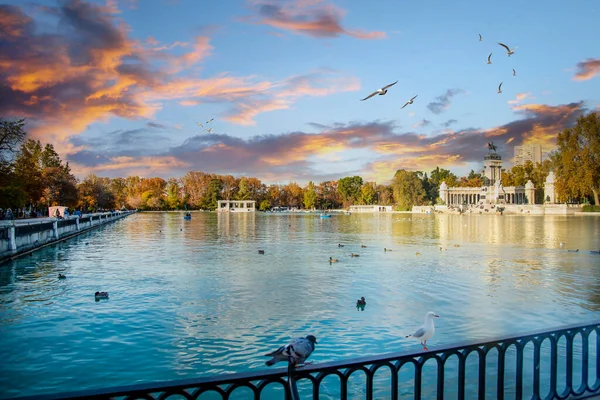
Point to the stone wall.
(20, 238)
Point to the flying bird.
(500, 87)
(514, 72)
(480, 38)
(210, 120)
(490, 59)
(200, 125)
(209, 130)
(508, 51)
(425, 331)
(296, 352)
(380, 92)
(409, 102)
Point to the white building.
(236, 206)
(492, 191)
(370, 208)
(528, 152)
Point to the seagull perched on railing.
(409, 102)
(490, 59)
(296, 352)
(380, 92)
(500, 87)
(425, 331)
(508, 51)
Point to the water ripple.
(190, 298)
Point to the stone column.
(12, 241)
(55, 229)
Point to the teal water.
(194, 298)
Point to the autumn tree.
(94, 193)
(329, 196)
(273, 195)
(385, 195)
(228, 187)
(368, 193)
(576, 161)
(408, 189)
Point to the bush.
(590, 208)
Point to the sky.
(119, 86)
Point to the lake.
(195, 298)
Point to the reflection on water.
(192, 298)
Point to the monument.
(492, 192)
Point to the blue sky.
(118, 86)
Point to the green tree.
(49, 157)
(173, 200)
(213, 194)
(310, 196)
(368, 193)
(439, 175)
(243, 192)
(576, 161)
(265, 205)
(28, 170)
(408, 189)
(350, 189)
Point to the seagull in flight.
(210, 120)
(380, 92)
(480, 38)
(200, 125)
(209, 130)
(514, 72)
(500, 88)
(490, 59)
(509, 51)
(409, 102)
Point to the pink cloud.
(587, 69)
(311, 18)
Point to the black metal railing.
(508, 367)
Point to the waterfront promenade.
(22, 236)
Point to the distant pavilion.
(236, 206)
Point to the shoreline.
(16, 240)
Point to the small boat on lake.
(187, 216)
(325, 216)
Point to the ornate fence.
(558, 364)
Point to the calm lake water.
(194, 298)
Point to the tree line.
(32, 174)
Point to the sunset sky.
(119, 85)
